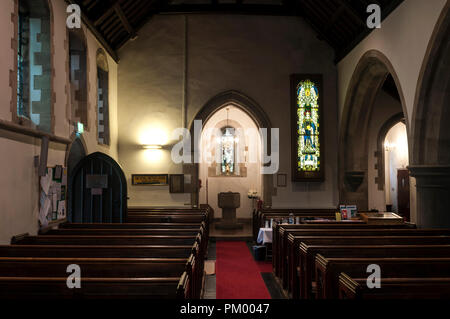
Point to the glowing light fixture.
(152, 146)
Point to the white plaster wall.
(396, 158)
(19, 183)
(251, 54)
(385, 107)
(403, 38)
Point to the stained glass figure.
(227, 145)
(308, 145)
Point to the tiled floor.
(245, 232)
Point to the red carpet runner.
(237, 274)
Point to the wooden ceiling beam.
(352, 11)
(125, 21)
(97, 34)
(106, 14)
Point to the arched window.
(102, 98)
(34, 71)
(307, 136)
(78, 77)
(228, 151)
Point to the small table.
(264, 236)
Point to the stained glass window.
(227, 145)
(308, 143)
(22, 67)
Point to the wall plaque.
(150, 179)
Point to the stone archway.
(367, 80)
(255, 112)
(430, 163)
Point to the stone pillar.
(433, 195)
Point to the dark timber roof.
(341, 23)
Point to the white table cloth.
(265, 236)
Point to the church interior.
(225, 149)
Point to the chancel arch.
(373, 79)
(247, 108)
(430, 164)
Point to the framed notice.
(150, 179)
(306, 126)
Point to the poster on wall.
(306, 127)
(52, 201)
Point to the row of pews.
(260, 216)
(330, 260)
(157, 254)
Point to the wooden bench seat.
(281, 231)
(304, 276)
(22, 267)
(129, 225)
(290, 247)
(363, 240)
(260, 216)
(394, 288)
(329, 269)
(106, 240)
(105, 251)
(166, 219)
(95, 288)
(367, 240)
(124, 231)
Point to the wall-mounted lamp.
(152, 146)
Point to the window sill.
(21, 129)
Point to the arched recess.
(367, 80)
(399, 117)
(255, 112)
(97, 191)
(430, 163)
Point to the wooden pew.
(122, 240)
(124, 231)
(260, 216)
(281, 231)
(329, 269)
(367, 240)
(394, 288)
(106, 240)
(304, 276)
(130, 225)
(290, 247)
(92, 267)
(95, 288)
(166, 218)
(105, 251)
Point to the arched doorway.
(253, 111)
(97, 191)
(374, 85)
(396, 175)
(430, 163)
